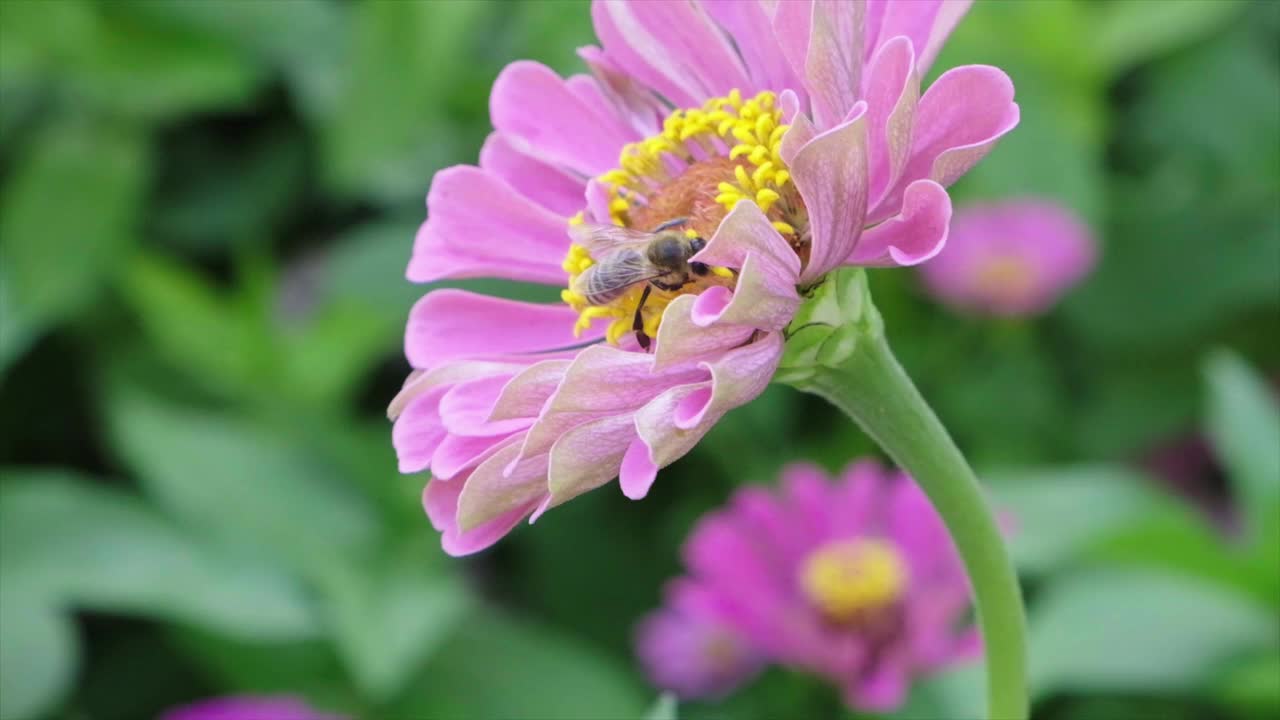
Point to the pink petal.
(450, 324)
(440, 500)
(527, 392)
(589, 456)
(917, 234)
(479, 226)
(602, 381)
(459, 453)
(927, 23)
(792, 21)
(753, 34)
(673, 422)
(884, 688)
(547, 185)
(833, 64)
(672, 47)
(532, 106)
(681, 339)
(958, 121)
(466, 408)
(633, 101)
(893, 89)
(637, 472)
(418, 431)
(491, 492)
(765, 295)
(831, 174)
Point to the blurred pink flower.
(686, 648)
(1013, 258)
(776, 131)
(855, 580)
(248, 707)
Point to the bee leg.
(638, 323)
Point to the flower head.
(768, 142)
(855, 580)
(248, 707)
(1013, 258)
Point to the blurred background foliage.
(205, 212)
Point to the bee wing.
(605, 281)
(601, 240)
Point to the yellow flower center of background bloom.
(1006, 278)
(850, 578)
(703, 162)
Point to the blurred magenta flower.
(687, 648)
(1013, 258)
(855, 580)
(776, 140)
(249, 707)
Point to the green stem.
(871, 387)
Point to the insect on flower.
(660, 259)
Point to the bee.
(626, 257)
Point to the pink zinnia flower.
(855, 580)
(1013, 258)
(776, 140)
(249, 707)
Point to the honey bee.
(626, 257)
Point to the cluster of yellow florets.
(753, 131)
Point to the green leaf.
(67, 218)
(38, 653)
(1132, 631)
(955, 693)
(664, 708)
(1129, 32)
(240, 481)
(387, 135)
(498, 666)
(1253, 685)
(389, 616)
(98, 548)
(1243, 424)
(1056, 516)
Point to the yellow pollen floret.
(849, 578)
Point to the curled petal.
(545, 184)
(927, 23)
(917, 234)
(418, 431)
(480, 226)
(493, 490)
(589, 456)
(765, 295)
(466, 408)
(527, 392)
(440, 500)
(453, 324)
(831, 174)
(602, 381)
(673, 422)
(459, 453)
(893, 90)
(532, 105)
(638, 471)
(681, 339)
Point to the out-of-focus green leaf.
(958, 693)
(664, 708)
(498, 666)
(386, 135)
(1056, 515)
(1195, 227)
(240, 481)
(100, 549)
(387, 620)
(36, 36)
(67, 217)
(1253, 686)
(1128, 32)
(138, 65)
(1139, 631)
(1243, 424)
(38, 653)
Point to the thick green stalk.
(850, 365)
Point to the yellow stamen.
(849, 578)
